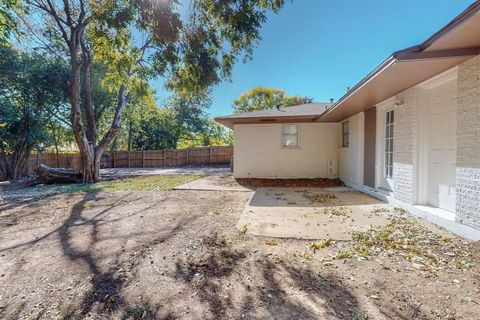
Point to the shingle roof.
(308, 109)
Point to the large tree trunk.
(86, 137)
(122, 99)
(87, 149)
(20, 161)
(47, 175)
(5, 166)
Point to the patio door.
(385, 138)
(442, 146)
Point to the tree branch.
(110, 134)
(50, 9)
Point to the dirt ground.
(289, 183)
(177, 255)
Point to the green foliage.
(156, 131)
(125, 44)
(211, 134)
(32, 88)
(262, 98)
(343, 255)
(214, 37)
(8, 23)
(194, 51)
(181, 124)
(361, 316)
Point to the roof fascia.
(438, 54)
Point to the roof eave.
(394, 58)
(230, 122)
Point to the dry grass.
(164, 182)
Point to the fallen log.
(47, 175)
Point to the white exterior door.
(385, 137)
(442, 146)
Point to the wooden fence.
(220, 155)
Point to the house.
(283, 143)
(409, 132)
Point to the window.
(389, 145)
(345, 135)
(290, 136)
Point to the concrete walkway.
(214, 183)
(188, 170)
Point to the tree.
(211, 134)
(149, 127)
(32, 89)
(262, 98)
(140, 39)
(8, 23)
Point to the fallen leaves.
(336, 211)
(244, 229)
(407, 239)
(271, 242)
(319, 198)
(320, 245)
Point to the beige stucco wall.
(258, 151)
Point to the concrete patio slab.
(311, 213)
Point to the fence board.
(138, 159)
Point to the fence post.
(143, 158)
(210, 157)
(113, 158)
(187, 154)
(164, 157)
(129, 158)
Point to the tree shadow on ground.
(107, 285)
(270, 294)
(21, 205)
(104, 296)
(217, 266)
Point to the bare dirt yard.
(89, 253)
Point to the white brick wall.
(406, 146)
(351, 159)
(468, 144)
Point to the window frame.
(345, 134)
(389, 145)
(286, 134)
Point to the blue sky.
(318, 48)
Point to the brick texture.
(406, 146)
(468, 144)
